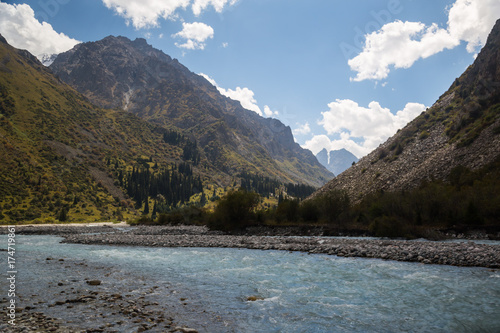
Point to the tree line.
(466, 199)
(170, 186)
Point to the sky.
(342, 74)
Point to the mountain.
(47, 59)
(118, 73)
(461, 130)
(337, 161)
(64, 158)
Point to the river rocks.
(426, 252)
(94, 282)
(126, 304)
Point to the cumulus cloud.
(268, 112)
(22, 30)
(145, 13)
(200, 5)
(195, 34)
(245, 96)
(399, 44)
(360, 129)
(302, 129)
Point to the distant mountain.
(47, 59)
(131, 75)
(337, 161)
(462, 129)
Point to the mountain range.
(336, 161)
(143, 130)
(461, 130)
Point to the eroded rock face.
(460, 129)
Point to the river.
(294, 292)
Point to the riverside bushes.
(234, 211)
(467, 198)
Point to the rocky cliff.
(461, 129)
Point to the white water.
(301, 292)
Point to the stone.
(94, 282)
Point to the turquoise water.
(301, 292)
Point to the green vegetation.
(235, 211)
(468, 198)
(170, 186)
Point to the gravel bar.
(426, 252)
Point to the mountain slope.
(461, 129)
(131, 75)
(64, 158)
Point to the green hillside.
(64, 159)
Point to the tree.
(235, 211)
(146, 207)
(63, 215)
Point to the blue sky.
(341, 74)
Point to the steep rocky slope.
(131, 75)
(461, 129)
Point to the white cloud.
(195, 34)
(268, 112)
(319, 142)
(302, 130)
(145, 13)
(472, 21)
(22, 30)
(200, 5)
(225, 44)
(400, 44)
(360, 129)
(245, 96)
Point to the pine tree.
(146, 207)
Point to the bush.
(235, 211)
(287, 210)
(389, 226)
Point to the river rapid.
(243, 290)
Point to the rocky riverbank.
(444, 253)
(73, 295)
(426, 252)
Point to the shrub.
(287, 210)
(389, 226)
(234, 211)
(309, 211)
(424, 135)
